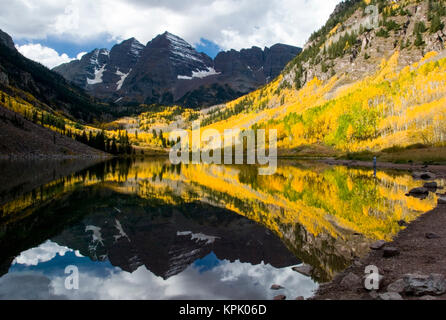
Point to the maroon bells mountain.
(168, 70)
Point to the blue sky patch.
(208, 47)
(207, 263)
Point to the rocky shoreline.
(412, 266)
(438, 170)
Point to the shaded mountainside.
(169, 70)
(166, 240)
(42, 87)
(45, 114)
(22, 138)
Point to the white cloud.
(46, 56)
(227, 280)
(80, 55)
(230, 23)
(43, 253)
(236, 281)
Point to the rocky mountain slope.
(371, 79)
(169, 70)
(356, 38)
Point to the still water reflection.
(144, 229)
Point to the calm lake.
(145, 229)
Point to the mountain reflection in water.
(145, 229)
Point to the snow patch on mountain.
(98, 73)
(105, 52)
(186, 56)
(200, 74)
(136, 48)
(123, 77)
(198, 237)
(97, 235)
(181, 48)
(122, 233)
(94, 60)
(98, 69)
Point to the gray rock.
(398, 286)
(424, 175)
(442, 200)
(374, 295)
(431, 235)
(300, 298)
(350, 281)
(304, 269)
(390, 296)
(280, 297)
(4, 79)
(419, 191)
(357, 263)
(420, 284)
(427, 176)
(378, 245)
(431, 185)
(276, 287)
(390, 252)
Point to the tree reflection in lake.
(135, 227)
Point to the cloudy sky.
(56, 31)
(38, 273)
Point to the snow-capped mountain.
(102, 71)
(166, 245)
(169, 70)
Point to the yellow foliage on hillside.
(391, 107)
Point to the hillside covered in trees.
(360, 91)
(369, 80)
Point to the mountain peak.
(176, 40)
(6, 40)
(132, 40)
(171, 35)
(169, 70)
(132, 46)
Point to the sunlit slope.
(385, 109)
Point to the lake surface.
(145, 229)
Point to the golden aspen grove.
(126, 165)
(390, 108)
(389, 99)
